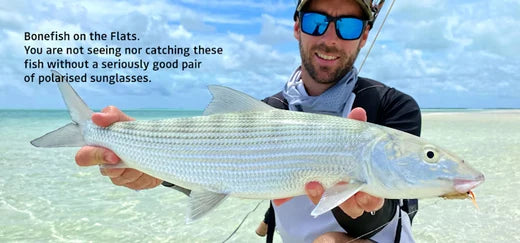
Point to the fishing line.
(244, 219)
(360, 68)
(377, 34)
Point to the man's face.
(327, 58)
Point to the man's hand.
(90, 155)
(356, 205)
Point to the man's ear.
(364, 37)
(297, 29)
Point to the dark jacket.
(384, 106)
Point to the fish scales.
(247, 148)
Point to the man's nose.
(330, 37)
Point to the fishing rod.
(376, 8)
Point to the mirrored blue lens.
(347, 28)
(314, 23)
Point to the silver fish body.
(244, 148)
(273, 154)
(248, 154)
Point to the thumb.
(109, 115)
(358, 113)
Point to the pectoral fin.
(334, 196)
(201, 202)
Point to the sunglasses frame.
(331, 19)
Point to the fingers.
(354, 207)
(89, 155)
(360, 203)
(126, 176)
(112, 173)
(281, 201)
(368, 202)
(314, 191)
(144, 182)
(130, 178)
(109, 115)
(338, 237)
(358, 113)
(135, 179)
(351, 208)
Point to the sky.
(445, 54)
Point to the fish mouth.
(465, 185)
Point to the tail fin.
(69, 135)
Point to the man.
(329, 45)
(330, 34)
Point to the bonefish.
(244, 148)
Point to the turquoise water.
(44, 196)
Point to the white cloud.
(180, 33)
(275, 31)
(426, 47)
(157, 23)
(265, 6)
(450, 47)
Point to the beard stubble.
(332, 75)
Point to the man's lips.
(326, 57)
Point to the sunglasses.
(347, 27)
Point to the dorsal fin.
(226, 100)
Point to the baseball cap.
(366, 6)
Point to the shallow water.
(490, 141)
(44, 196)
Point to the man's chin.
(326, 80)
(324, 77)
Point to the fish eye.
(431, 155)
